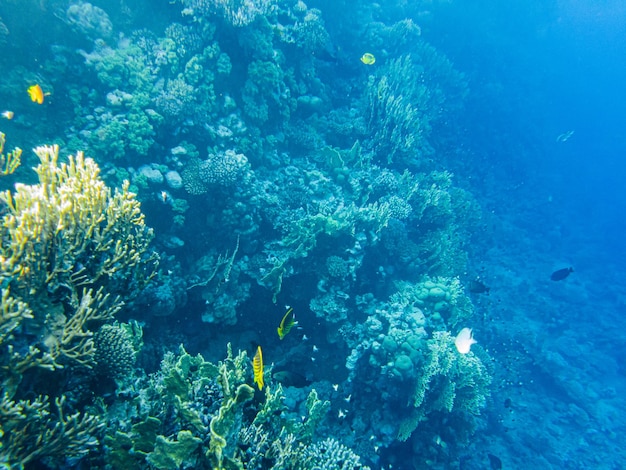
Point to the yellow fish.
(368, 59)
(257, 367)
(36, 93)
(286, 324)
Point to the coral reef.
(277, 170)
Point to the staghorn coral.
(9, 161)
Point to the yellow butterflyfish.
(286, 324)
(257, 367)
(368, 59)
(36, 93)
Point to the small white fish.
(464, 340)
(315, 348)
(335, 387)
(8, 115)
(341, 414)
(348, 398)
(305, 338)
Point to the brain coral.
(220, 170)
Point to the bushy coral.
(235, 12)
(70, 251)
(329, 454)
(89, 19)
(449, 382)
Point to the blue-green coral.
(219, 422)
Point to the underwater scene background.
(325, 234)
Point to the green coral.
(218, 419)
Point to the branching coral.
(70, 249)
(236, 12)
(448, 382)
(69, 230)
(9, 161)
(30, 431)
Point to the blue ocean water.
(335, 192)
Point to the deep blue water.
(524, 105)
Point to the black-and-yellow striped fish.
(286, 324)
(257, 367)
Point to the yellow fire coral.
(69, 247)
(69, 229)
(70, 251)
(10, 161)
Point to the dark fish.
(561, 274)
(508, 403)
(291, 379)
(477, 287)
(494, 462)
